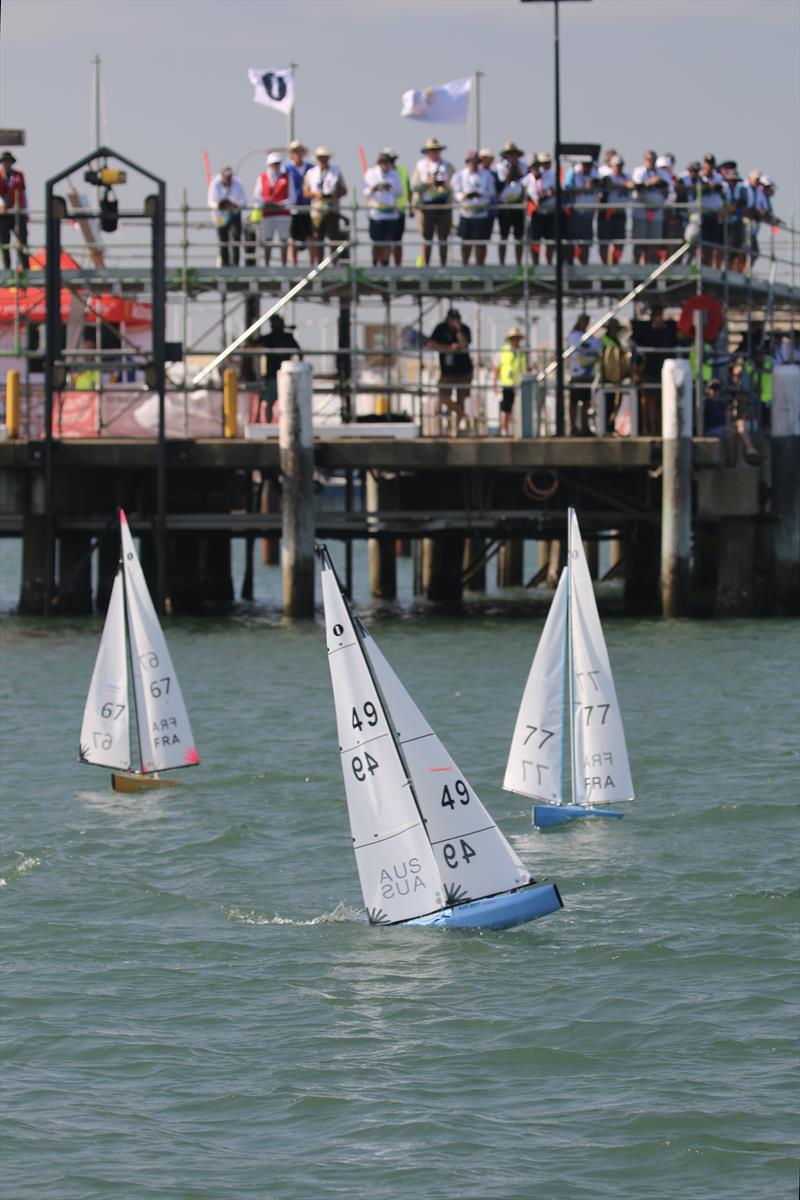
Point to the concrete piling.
(297, 470)
(785, 447)
(676, 486)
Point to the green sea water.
(194, 1007)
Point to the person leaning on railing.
(432, 197)
(226, 199)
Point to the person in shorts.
(432, 197)
(300, 223)
(383, 189)
(452, 339)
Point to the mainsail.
(105, 729)
(397, 869)
(536, 759)
(600, 767)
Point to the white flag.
(445, 104)
(274, 87)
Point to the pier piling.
(785, 445)
(297, 508)
(676, 486)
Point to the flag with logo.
(445, 104)
(274, 87)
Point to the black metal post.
(560, 422)
(53, 210)
(155, 207)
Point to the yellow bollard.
(230, 385)
(381, 406)
(12, 404)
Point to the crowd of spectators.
(657, 206)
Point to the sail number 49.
(462, 793)
(450, 853)
(360, 768)
(370, 716)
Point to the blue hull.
(547, 815)
(497, 912)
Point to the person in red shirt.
(13, 211)
(271, 196)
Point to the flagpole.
(292, 68)
(478, 77)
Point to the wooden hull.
(139, 783)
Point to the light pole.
(559, 339)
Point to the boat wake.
(24, 863)
(342, 912)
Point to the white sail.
(474, 858)
(536, 758)
(105, 730)
(165, 735)
(396, 865)
(601, 772)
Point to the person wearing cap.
(756, 209)
(383, 189)
(614, 368)
(650, 195)
(582, 364)
(581, 190)
(474, 190)
(324, 187)
(402, 204)
(13, 211)
(227, 199)
(296, 169)
(615, 187)
(712, 206)
(452, 339)
(431, 196)
(733, 203)
(271, 200)
(511, 365)
(511, 171)
(540, 189)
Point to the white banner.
(274, 87)
(446, 103)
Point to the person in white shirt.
(474, 190)
(226, 199)
(757, 210)
(540, 188)
(324, 188)
(648, 212)
(383, 189)
(431, 196)
(615, 195)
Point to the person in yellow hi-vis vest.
(511, 365)
(87, 379)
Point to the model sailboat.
(427, 851)
(133, 643)
(570, 689)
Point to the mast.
(569, 623)
(133, 666)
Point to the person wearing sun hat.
(296, 169)
(13, 211)
(474, 189)
(511, 365)
(324, 187)
(271, 200)
(226, 199)
(432, 197)
(511, 171)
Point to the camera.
(105, 177)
